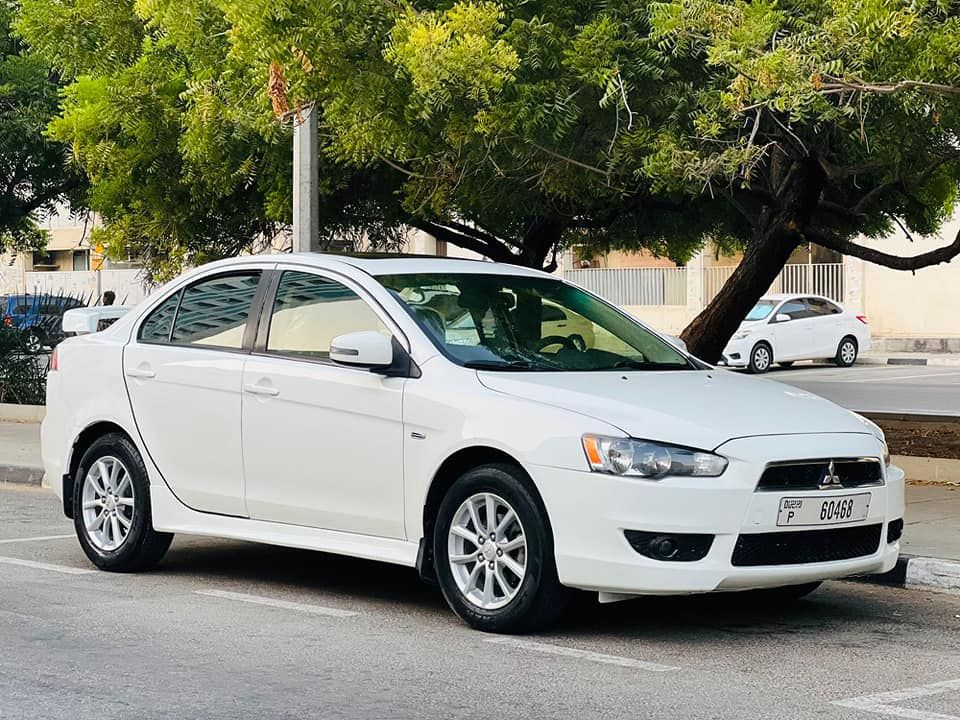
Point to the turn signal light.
(55, 361)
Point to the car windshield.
(761, 311)
(523, 323)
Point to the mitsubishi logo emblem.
(831, 479)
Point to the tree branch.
(495, 250)
(839, 85)
(895, 262)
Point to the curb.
(21, 474)
(919, 573)
(948, 360)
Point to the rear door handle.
(142, 373)
(261, 390)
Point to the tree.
(35, 174)
(177, 172)
(522, 126)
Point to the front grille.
(806, 546)
(810, 474)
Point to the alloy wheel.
(848, 352)
(107, 503)
(487, 551)
(761, 358)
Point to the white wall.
(904, 304)
(127, 284)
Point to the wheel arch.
(450, 470)
(89, 435)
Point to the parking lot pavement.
(879, 388)
(236, 630)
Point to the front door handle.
(261, 390)
(141, 372)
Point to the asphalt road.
(880, 388)
(235, 630)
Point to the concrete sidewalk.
(930, 545)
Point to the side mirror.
(367, 349)
(676, 342)
(83, 321)
(782, 317)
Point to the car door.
(792, 338)
(827, 326)
(183, 370)
(322, 443)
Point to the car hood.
(702, 409)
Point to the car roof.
(779, 297)
(394, 264)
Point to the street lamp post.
(306, 200)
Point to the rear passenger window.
(156, 328)
(822, 307)
(310, 310)
(213, 312)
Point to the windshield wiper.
(643, 365)
(505, 365)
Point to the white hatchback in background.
(328, 403)
(785, 328)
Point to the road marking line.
(282, 604)
(580, 654)
(881, 703)
(46, 566)
(7, 541)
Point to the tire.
(106, 545)
(787, 364)
(761, 358)
(537, 597)
(847, 352)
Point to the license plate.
(823, 510)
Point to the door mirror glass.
(362, 349)
(782, 317)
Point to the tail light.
(55, 360)
(7, 321)
(862, 318)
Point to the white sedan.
(785, 328)
(315, 402)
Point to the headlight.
(624, 456)
(879, 434)
(741, 335)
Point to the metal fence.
(634, 286)
(814, 278)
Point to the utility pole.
(306, 198)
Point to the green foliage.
(34, 174)
(512, 127)
(22, 375)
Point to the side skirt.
(170, 515)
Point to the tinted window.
(502, 322)
(796, 309)
(310, 310)
(214, 312)
(156, 328)
(822, 307)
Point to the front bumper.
(736, 353)
(589, 513)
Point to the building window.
(81, 259)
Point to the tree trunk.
(777, 234)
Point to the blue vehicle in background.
(38, 318)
